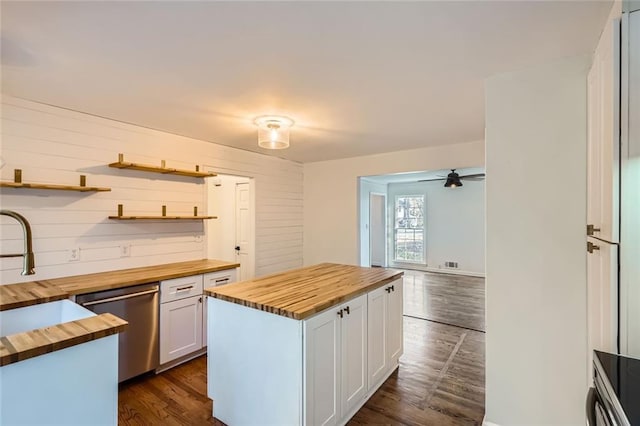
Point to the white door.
(354, 354)
(180, 328)
(377, 229)
(394, 321)
(377, 335)
(243, 231)
(322, 368)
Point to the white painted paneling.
(54, 145)
(454, 221)
(536, 305)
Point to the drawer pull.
(346, 309)
(189, 287)
(340, 314)
(222, 280)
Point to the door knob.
(591, 247)
(237, 248)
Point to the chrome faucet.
(28, 257)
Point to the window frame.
(423, 229)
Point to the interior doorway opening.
(231, 237)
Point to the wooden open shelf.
(121, 164)
(17, 183)
(51, 186)
(164, 216)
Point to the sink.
(38, 316)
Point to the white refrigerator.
(629, 283)
(613, 210)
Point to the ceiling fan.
(454, 180)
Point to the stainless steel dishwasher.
(138, 350)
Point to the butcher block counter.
(32, 293)
(303, 292)
(35, 341)
(90, 283)
(303, 347)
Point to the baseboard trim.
(414, 267)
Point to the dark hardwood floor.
(445, 298)
(440, 380)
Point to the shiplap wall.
(54, 145)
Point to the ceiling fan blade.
(473, 179)
(431, 180)
(477, 175)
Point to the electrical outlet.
(125, 250)
(74, 254)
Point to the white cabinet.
(180, 328)
(394, 323)
(213, 279)
(377, 335)
(602, 270)
(603, 152)
(353, 350)
(384, 331)
(322, 368)
(183, 317)
(336, 362)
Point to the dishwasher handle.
(116, 298)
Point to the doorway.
(231, 237)
(378, 229)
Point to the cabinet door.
(353, 354)
(394, 322)
(322, 368)
(180, 328)
(377, 335)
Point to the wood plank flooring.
(440, 380)
(445, 298)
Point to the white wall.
(55, 145)
(331, 194)
(366, 188)
(454, 220)
(536, 269)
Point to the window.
(409, 228)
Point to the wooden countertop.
(26, 294)
(300, 293)
(20, 346)
(81, 284)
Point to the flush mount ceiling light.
(273, 131)
(453, 180)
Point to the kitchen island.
(303, 347)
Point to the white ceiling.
(417, 176)
(357, 77)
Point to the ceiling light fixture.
(453, 180)
(273, 131)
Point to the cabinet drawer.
(180, 288)
(213, 279)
